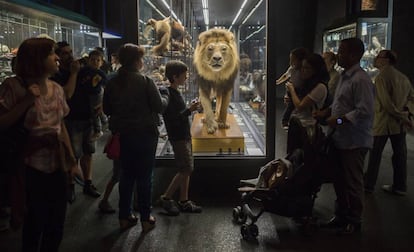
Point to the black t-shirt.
(90, 82)
(176, 117)
(61, 77)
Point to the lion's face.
(216, 56)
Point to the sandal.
(148, 225)
(126, 223)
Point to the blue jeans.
(137, 162)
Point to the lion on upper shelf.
(170, 35)
(216, 61)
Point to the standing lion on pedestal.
(216, 60)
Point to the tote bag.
(113, 147)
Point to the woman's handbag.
(12, 142)
(113, 147)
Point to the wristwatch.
(339, 121)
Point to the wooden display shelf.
(229, 140)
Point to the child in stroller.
(285, 186)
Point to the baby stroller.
(286, 186)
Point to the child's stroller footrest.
(288, 206)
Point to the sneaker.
(170, 206)
(105, 207)
(148, 225)
(334, 222)
(78, 180)
(91, 190)
(392, 190)
(350, 228)
(189, 207)
(126, 223)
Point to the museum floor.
(388, 222)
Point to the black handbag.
(12, 142)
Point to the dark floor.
(388, 223)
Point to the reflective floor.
(388, 223)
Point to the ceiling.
(221, 12)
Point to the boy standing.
(98, 80)
(178, 128)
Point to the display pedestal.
(223, 141)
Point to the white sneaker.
(390, 189)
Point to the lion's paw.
(211, 127)
(223, 125)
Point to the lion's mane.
(211, 38)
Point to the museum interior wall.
(402, 34)
(292, 25)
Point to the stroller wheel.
(254, 230)
(249, 232)
(238, 215)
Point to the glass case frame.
(249, 112)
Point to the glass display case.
(19, 22)
(374, 32)
(247, 105)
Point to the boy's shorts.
(183, 155)
(80, 137)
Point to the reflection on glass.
(374, 34)
(249, 94)
(15, 27)
(368, 5)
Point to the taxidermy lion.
(167, 30)
(216, 60)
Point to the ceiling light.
(172, 12)
(252, 11)
(155, 8)
(238, 14)
(205, 13)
